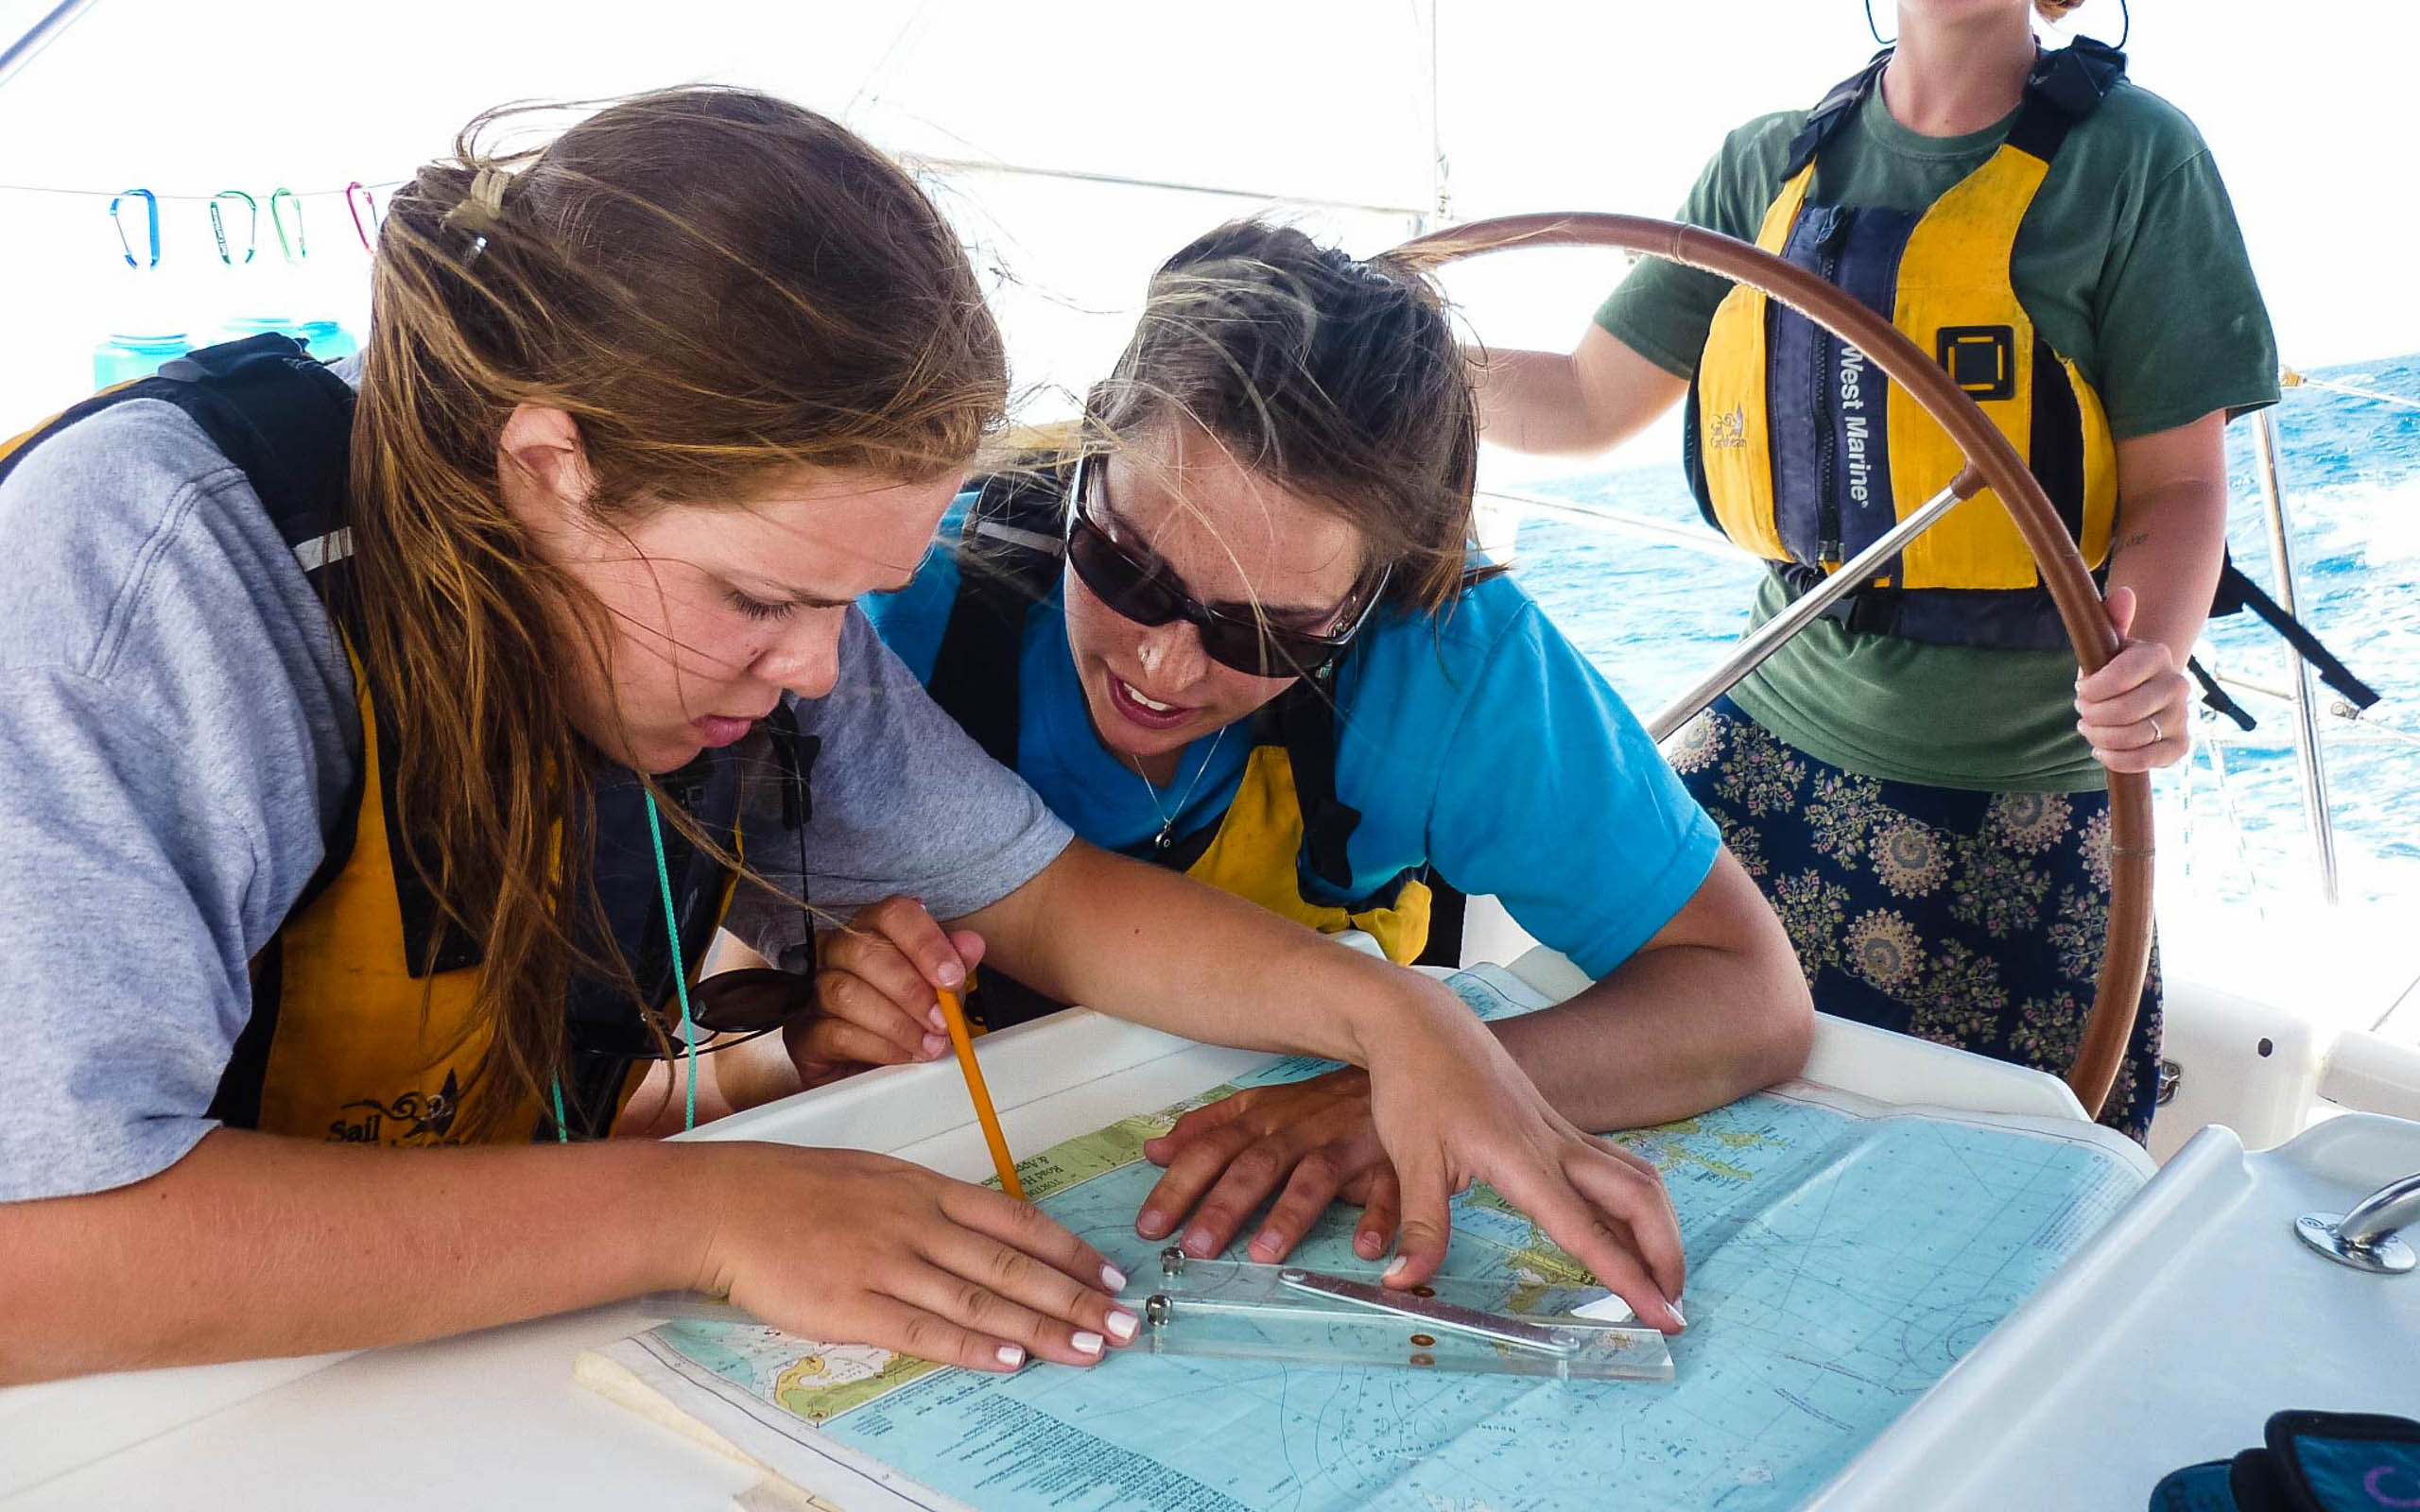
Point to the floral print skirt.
(1975, 920)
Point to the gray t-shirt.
(180, 722)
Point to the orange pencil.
(961, 1042)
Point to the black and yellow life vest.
(361, 1027)
(1801, 452)
(1285, 828)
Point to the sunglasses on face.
(1140, 587)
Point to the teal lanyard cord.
(679, 985)
(679, 968)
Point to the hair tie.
(482, 209)
(487, 189)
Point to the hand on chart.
(1452, 1107)
(875, 991)
(1316, 1140)
(861, 1248)
(2137, 710)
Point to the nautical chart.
(1842, 1257)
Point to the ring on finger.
(2156, 737)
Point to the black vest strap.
(281, 416)
(2217, 697)
(2237, 593)
(2065, 87)
(276, 412)
(1001, 572)
(1834, 110)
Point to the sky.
(1608, 106)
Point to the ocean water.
(1653, 617)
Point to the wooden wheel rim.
(2126, 955)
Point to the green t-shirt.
(2131, 264)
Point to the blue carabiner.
(152, 204)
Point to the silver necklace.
(1167, 820)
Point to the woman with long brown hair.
(378, 770)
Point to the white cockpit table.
(2169, 1337)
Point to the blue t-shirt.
(1481, 744)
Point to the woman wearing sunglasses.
(378, 764)
(1240, 632)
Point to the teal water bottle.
(125, 357)
(328, 340)
(325, 339)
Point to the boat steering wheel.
(2127, 954)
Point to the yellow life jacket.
(1801, 452)
(1285, 828)
(362, 1026)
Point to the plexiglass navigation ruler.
(1238, 1309)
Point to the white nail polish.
(1087, 1342)
(1398, 1268)
(1675, 1305)
(1122, 1324)
(1010, 1355)
(1113, 1277)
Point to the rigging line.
(2299, 380)
(199, 199)
(2214, 752)
(919, 160)
(884, 61)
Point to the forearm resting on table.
(254, 1247)
(1673, 1033)
(1149, 945)
(1713, 1007)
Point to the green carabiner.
(218, 225)
(297, 250)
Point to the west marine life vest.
(1286, 827)
(1801, 452)
(362, 1027)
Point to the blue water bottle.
(325, 339)
(328, 340)
(125, 357)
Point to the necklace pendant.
(1160, 841)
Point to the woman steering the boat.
(1236, 628)
(379, 767)
(1919, 781)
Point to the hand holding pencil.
(901, 1257)
(888, 989)
(877, 990)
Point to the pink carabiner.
(366, 202)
